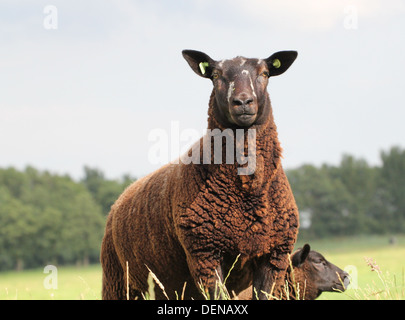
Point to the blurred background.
(83, 84)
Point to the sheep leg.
(208, 275)
(216, 289)
(113, 287)
(266, 276)
(262, 279)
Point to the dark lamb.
(188, 222)
(310, 275)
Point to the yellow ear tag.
(276, 63)
(202, 66)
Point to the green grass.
(74, 283)
(85, 282)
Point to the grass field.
(73, 283)
(85, 282)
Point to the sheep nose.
(242, 101)
(346, 279)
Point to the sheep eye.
(215, 75)
(265, 74)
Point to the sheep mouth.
(338, 287)
(341, 286)
(245, 119)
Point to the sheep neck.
(299, 287)
(268, 149)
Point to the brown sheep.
(311, 275)
(189, 222)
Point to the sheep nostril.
(237, 102)
(346, 280)
(240, 102)
(248, 101)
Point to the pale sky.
(91, 91)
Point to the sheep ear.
(300, 256)
(280, 61)
(200, 62)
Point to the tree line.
(47, 218)
(51, 219)
(352, 198)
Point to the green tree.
(360, 182)
(392, 188)
(104, 191)
(18, 227)
(47, 218)
(322, 198)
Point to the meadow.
(388, 260)
(73, 283)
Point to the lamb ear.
(200, 62)
(300, 256)
(280, 61)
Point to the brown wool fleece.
(188, 223)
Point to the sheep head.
(318, 272)
(240, 84)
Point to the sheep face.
(318, 272)
(240, 84)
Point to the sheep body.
(189, 222)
